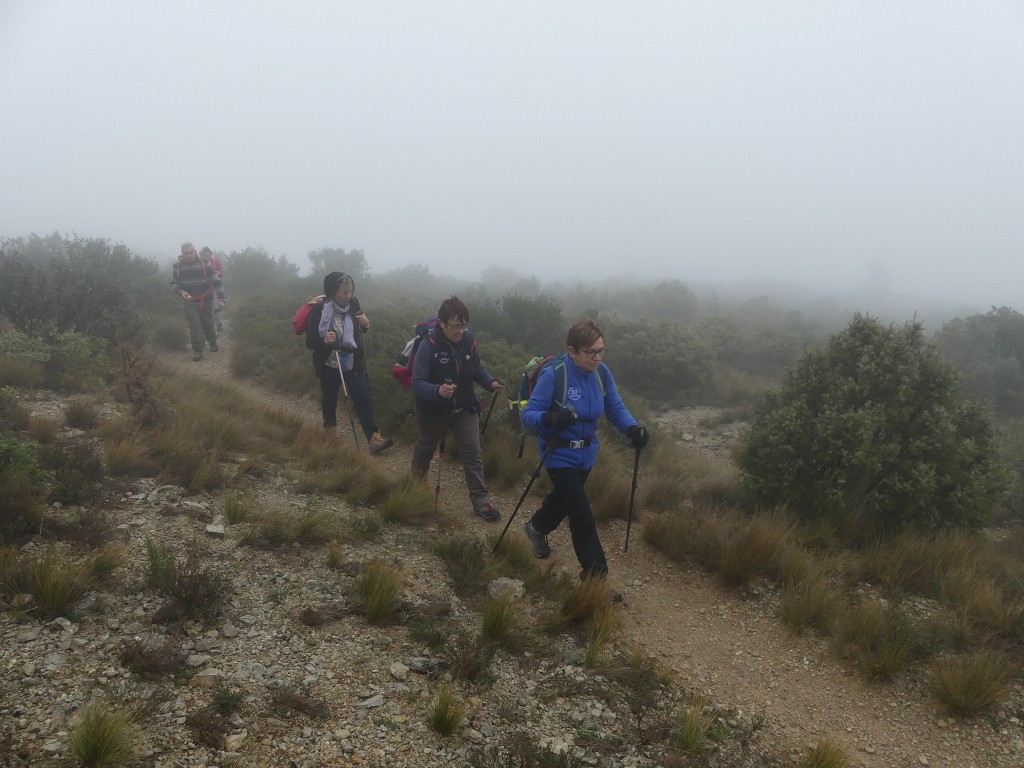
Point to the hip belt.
(573, 444)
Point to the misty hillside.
(898, 557)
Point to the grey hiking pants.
(465, 428)
(200, 324)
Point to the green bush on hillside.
(86, 285)
(21, 487)
(988, 351)
(868, 435)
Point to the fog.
(872, 147)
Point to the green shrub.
(869, 435)
(14, 416)
(77, 472)
(21, 487)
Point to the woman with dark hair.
(446, 367)
(337, 325)
(572, 425)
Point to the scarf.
(335, 318)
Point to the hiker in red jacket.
(207, 255)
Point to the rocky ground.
(377, 681)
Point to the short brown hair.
(452, 307)
(583, 333)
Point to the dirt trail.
(734, 648)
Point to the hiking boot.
(488, 512)
(541, 548)
(379, 443)
(214, 348)
(197, 356)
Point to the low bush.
(21, 488)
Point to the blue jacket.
(584, 394)
(437, 360)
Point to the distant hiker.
(574, 430)
(337, 324)
(197, 284)
(207, 255)
(446, 367)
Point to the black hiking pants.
(569, 499)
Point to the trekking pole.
(534, 476)
(632, 495)
(348, 400)
(487, 418)
(440, 452)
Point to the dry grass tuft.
(237, 507)
(103, 736)
(609, 494)
(447, 712)
(499, 619)
(288, 699)
(581, 604)
(379, 586)
(606, 619)
(809, 603)
(278, 528)
(81, 414)
(409, 502)
(969, 685)
(697, 717)
(501, 467)
(152, 658)
(827, 753)
(42, 429)
(880, 638)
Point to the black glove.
(559, 419)
(637, 435)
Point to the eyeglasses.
(457, 327)
(593, 354)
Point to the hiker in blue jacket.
(589, 394)
(446, 367)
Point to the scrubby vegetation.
(867, 476)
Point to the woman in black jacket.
(334, 331)
(447, 366)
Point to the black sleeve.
(313, 328)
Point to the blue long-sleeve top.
(438, 360)
(583, 393)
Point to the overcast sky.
(876, 143)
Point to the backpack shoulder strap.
(602, 378)
(561, 380)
